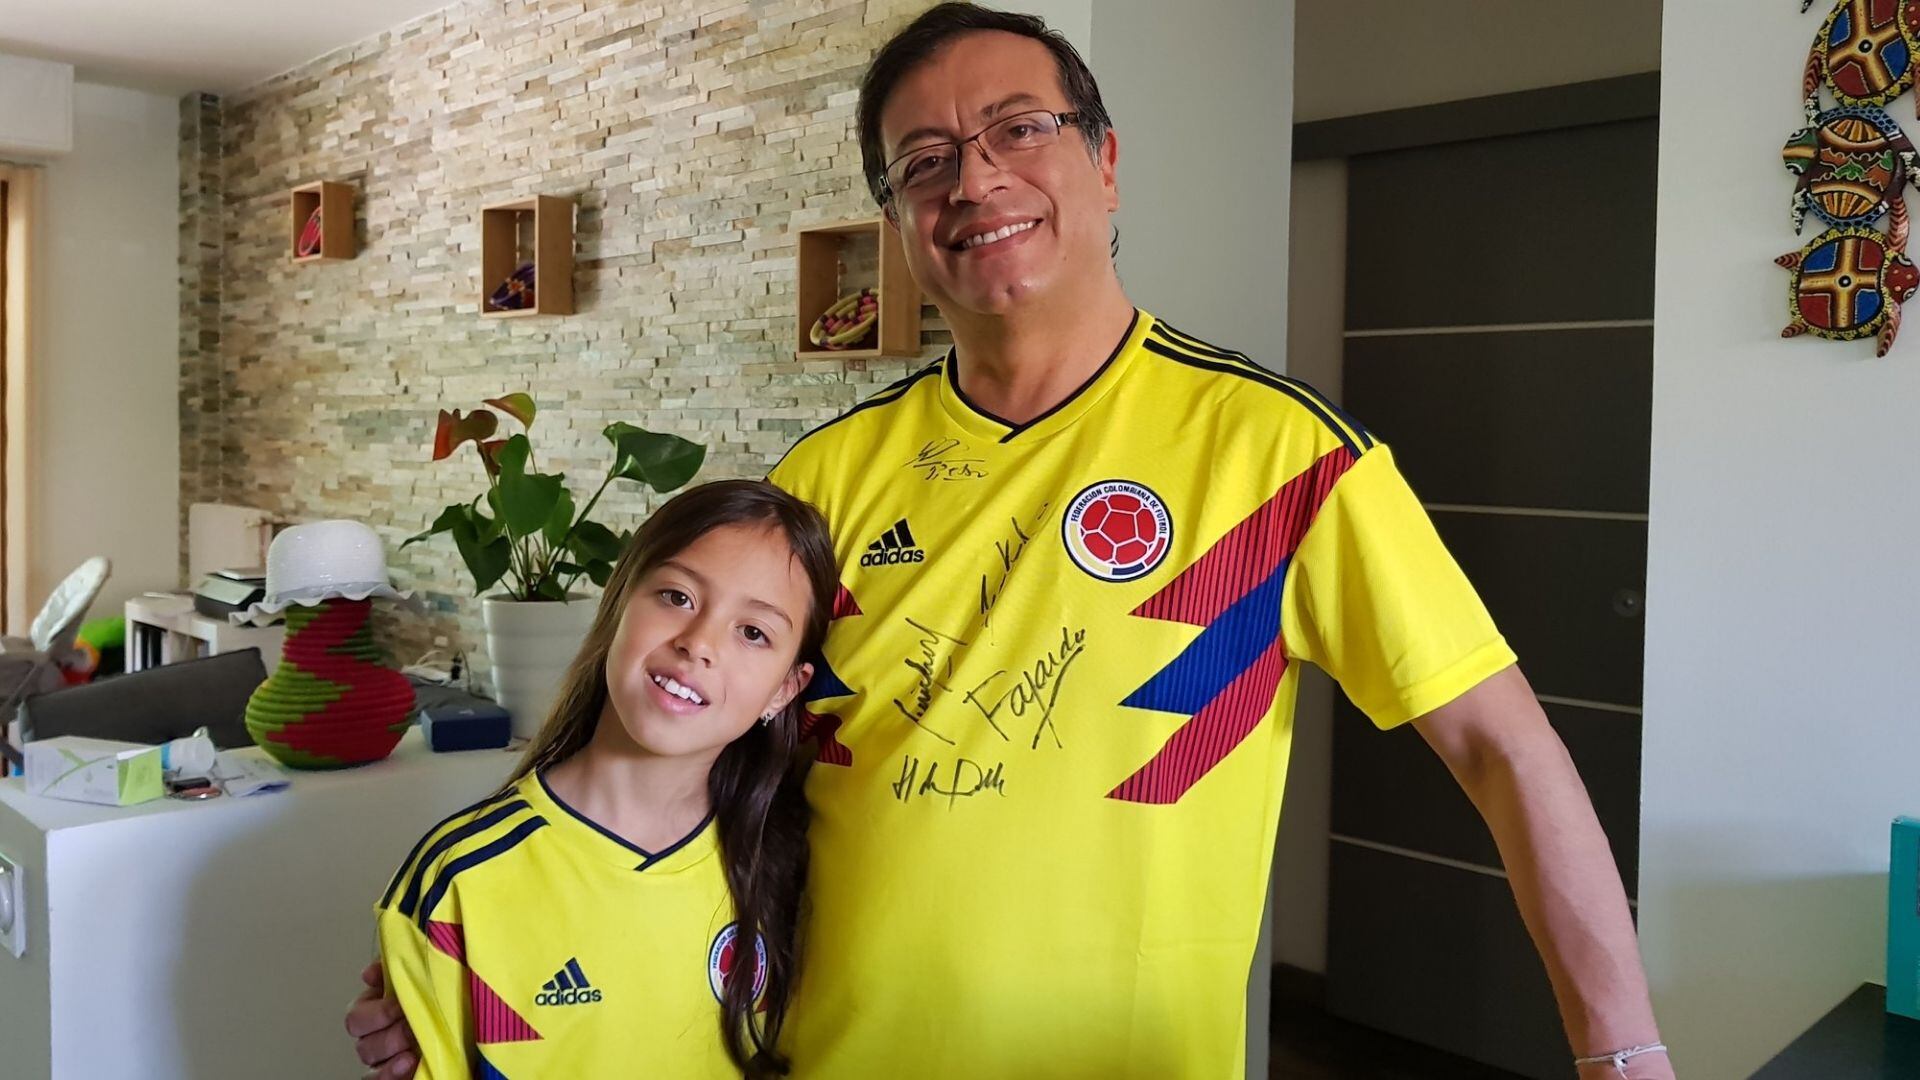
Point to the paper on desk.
(245, 774)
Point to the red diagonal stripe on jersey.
(821, 726)
(817, 726)
(1239, 562)
(1250, 551)
(1209, 735)
(844, 604)
(494, 1021)
(449, 938)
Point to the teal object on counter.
(1903, 919)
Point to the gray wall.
(1783, 640)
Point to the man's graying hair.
(939, 25)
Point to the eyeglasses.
(925, 170)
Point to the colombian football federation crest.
(724, 956)
(1117, 530)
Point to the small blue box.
(1903, 919)
(479, 725)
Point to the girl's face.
(707, 642)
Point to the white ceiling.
(174, 46)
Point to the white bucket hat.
(324, 560)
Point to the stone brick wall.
(201, 393)
(694, 138)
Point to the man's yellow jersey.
(525, 941)
(1054, 723)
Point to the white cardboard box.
(93, 770)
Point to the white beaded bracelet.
(1619, 1058)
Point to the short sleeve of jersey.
(431, 986)
(1376, 601)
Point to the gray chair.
(157, 704)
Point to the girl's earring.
(766, 719)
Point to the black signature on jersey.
(1031, 692)
(994, 582)
(964, 779)
(946, 459)
(932, 665)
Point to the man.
(1082, 557)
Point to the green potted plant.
(524, 534)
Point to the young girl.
(633, 892)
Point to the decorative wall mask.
(1849, 283)
(1865, 51)
(1852, 165)
(1850, 160)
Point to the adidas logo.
(568, 986)
(895, 546)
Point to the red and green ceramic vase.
(332, 702)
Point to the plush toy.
(101, 647)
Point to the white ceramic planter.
(531, 644)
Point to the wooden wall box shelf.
(834, 260)
(335, 203)
(537, 228)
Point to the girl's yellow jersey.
(524, 941)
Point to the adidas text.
(890, 558)
(574, 996)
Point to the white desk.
(216, 939)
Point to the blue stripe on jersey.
(1228, 368)
(407, 864)
(487, 1071)
(479, 825)
(472, 859)
(573, 968)
(824, 684)
(1193, 344)
(1219, 655)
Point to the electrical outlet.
(13, 907)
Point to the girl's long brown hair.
(755, 784)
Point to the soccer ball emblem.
(1117, 530)
(724, 955)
